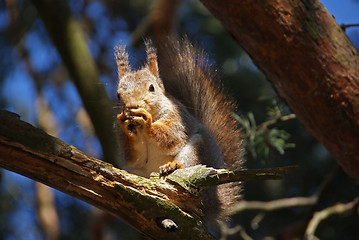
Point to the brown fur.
(164, 133)
(188, 77)
(177, 112)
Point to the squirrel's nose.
(132, 106)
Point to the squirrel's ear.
(123, 65)
(151, 58)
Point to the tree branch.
(339, 208)
(345, 26)
(273, 205)
(142, 203)
(310, 61)
(159, 207)
(271, 122)
(200, 176)
(67, 36)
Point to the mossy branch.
(200, 176)
(154, 207)
(159, 207)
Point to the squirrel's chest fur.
(150, 156)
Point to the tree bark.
(140, 202)
(311, 63)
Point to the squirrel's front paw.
(141, 117)
(125, 121)
(133, 120)
(170, 167)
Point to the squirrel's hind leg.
(186, 157)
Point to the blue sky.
(344, 11)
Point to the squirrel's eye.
(151, 88)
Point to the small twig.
(272, 205)
(345, 26)
(227, 231)
(281, 203)
(257, 219)
(339, 208)
(276, 120)
(270, 122)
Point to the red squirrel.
(173, 113)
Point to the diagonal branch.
(142, 203)
(67, 36)
(162, 208)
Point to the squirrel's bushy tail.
(188, 76)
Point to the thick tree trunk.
(310, 61)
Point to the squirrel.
(173, 113)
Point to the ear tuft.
(151, 58)
(121, 57)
